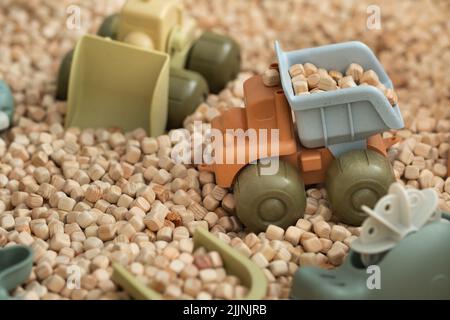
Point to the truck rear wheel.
(215, 57)
(64, 76)
(187, 90)
(359, 177)
(109, 27)
(262, 200)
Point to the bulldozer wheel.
(354, 179)
(63, 76)
(187, 90)
(109, 26)
(262, 200)
(217, 58)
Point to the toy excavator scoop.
(15, 267)
(396, 215)
(114, 84)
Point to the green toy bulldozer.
(147, 67)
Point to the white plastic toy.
(396, 215)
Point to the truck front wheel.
(359, 177)
(262, 200)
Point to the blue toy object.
(6, 106)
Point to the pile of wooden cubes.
(308, 78)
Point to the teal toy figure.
(402, 253)
(6, 106)
(15, 267)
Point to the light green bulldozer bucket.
(113, 84)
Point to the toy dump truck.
(335, 139)
(6, 106)
(146, 68)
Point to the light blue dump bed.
(340, 117)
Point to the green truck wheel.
(215, 57)
(187, 90)
(64, 76)
(359, 177)
(109, 27)
(262, 200)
